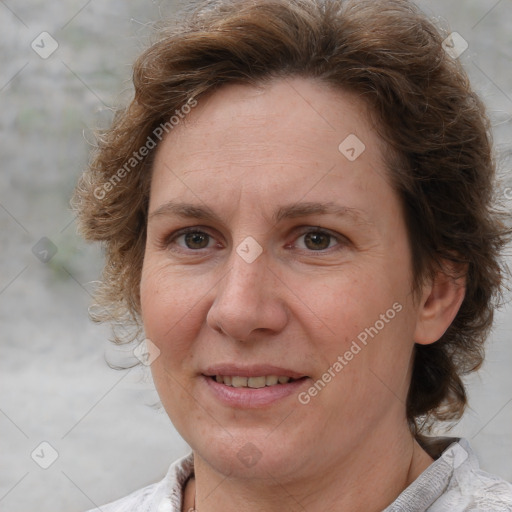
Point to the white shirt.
(452, 483)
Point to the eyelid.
(298, 232)
(168, 239)
(340, 239)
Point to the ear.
(439, 303)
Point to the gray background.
(109, 433)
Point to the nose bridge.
(243, 283)
(245, 299)
(247, 264)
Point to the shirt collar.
(450, 453)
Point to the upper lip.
(258, 370)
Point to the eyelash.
(171, 239)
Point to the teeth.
(256, 382)
(251, 382)
(239, 382)
(272, 380)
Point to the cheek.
(346, 300)
(170, 321)
(169, 309)
(153, 303)
(364, 312)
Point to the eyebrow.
(289, 211)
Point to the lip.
(248, 398)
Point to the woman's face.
(295, 264)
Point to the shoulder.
(138, 500)
(454, 482)
(470, 488)
(163, 496)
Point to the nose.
(247, 301)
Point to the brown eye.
(317, 241)
(188, 239)
(196, 240)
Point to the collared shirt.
(452, 483)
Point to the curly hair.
(440, 157)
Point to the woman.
(296, 210)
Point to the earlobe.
(439, 305)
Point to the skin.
(243, 152)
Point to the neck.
(370, 478)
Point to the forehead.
(283, 114)
(289, 137)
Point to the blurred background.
(75, 433)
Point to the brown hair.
(440, 159)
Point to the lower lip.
(249, 398)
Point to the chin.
(251, 455)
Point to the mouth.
(252, 387)
(238, 381)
